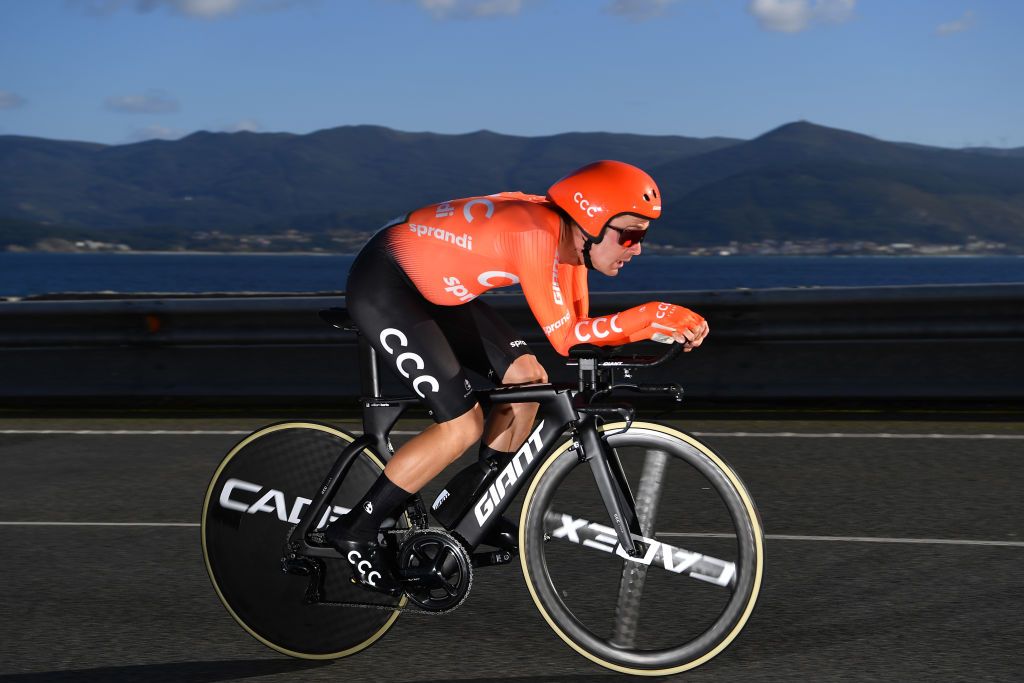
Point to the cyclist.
(413, 292)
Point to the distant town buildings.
(350, 241)
(823, 247)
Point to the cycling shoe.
(370, 566)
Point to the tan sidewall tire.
(755, 522)
(206, 557)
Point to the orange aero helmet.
(598, 192)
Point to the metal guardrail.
(948, 342)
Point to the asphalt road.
(895, 552)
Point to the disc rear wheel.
(261, 490)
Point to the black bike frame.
(557, 412)
(555, 415)
(560, 409)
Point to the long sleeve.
(557, 310)
(530, 250)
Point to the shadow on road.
(199, 672)
(582, 678)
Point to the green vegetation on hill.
(328, 190)
(805, 182)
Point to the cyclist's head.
(598, 192)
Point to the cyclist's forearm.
(634, 324)
(605, 330)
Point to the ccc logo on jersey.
(595, 328)
(467, 209)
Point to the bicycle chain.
(412, 609)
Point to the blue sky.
(939, 72)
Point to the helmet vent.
(646, 198)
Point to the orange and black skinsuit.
(413, 291)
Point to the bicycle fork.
(611, 482)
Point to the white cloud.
(470, 9)
(204, 9)
(195, 9)
(638, 10)
(9, 100)
(793, 16)
(152, 102)
(154, 132)
(962, 24)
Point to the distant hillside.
(354, 176)
(803, 181)
(991, 151)
(798, 182)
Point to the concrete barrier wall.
(964, 342)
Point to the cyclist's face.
(618, 245)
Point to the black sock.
(495, 458)
(381, 503)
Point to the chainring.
(436, 570)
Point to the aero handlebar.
(604, 356)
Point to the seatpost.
(369, 372)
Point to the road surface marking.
(663, 534)
(398, 432)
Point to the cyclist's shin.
(378, 508)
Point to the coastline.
(31, 273)
(657, 252)
(178, 252)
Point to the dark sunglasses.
(630, 236)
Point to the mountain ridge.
(799, 180)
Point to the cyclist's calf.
(509, 423)
(426, 454)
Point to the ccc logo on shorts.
(405, 357)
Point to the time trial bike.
(640, 546)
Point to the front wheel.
(693, 585)
(261, 490)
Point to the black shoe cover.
(370, 566)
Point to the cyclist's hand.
(678, 324)
(692, 338)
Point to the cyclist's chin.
(612, 269)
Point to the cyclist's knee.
(465, 430)
(525, 370)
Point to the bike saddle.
(339, 318)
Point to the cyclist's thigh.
(482, 340)
(399, 323)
